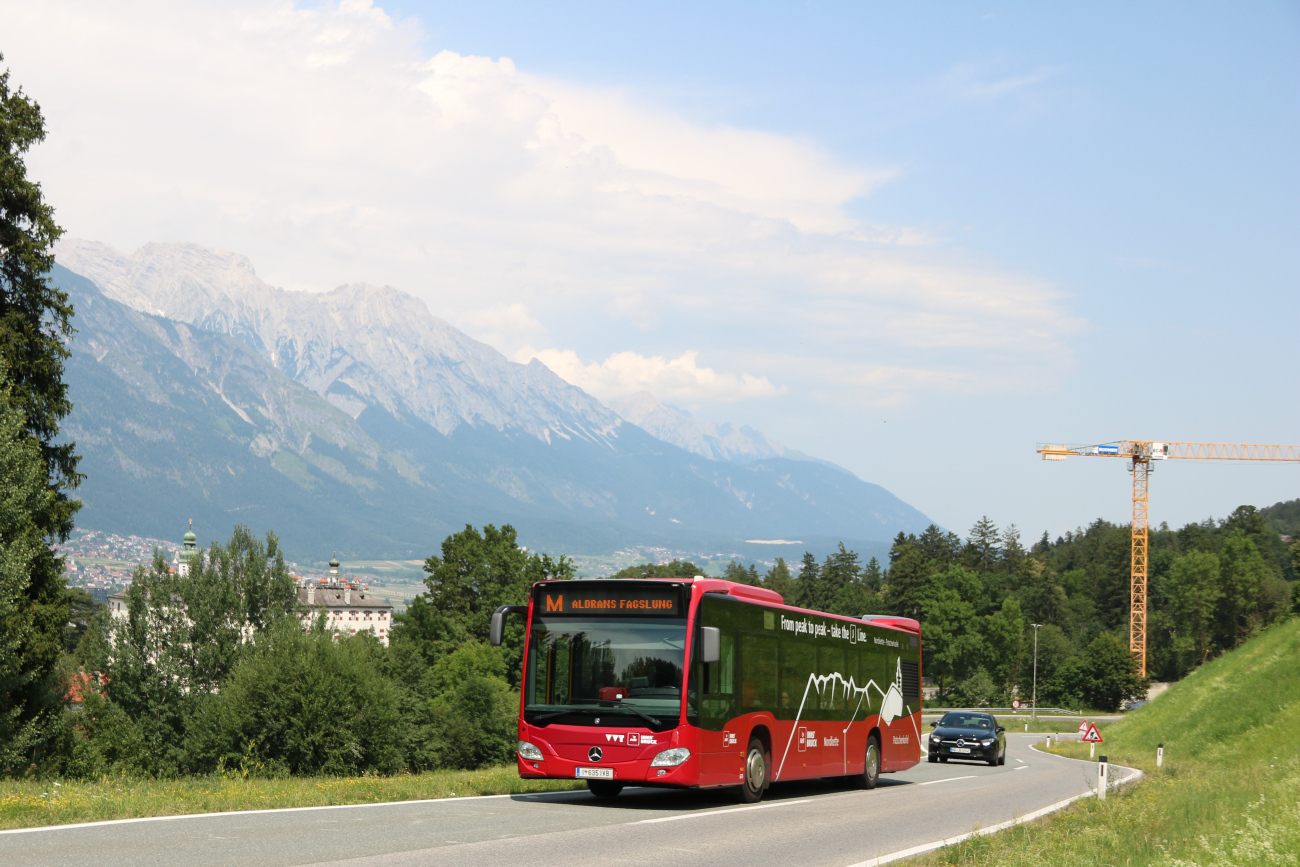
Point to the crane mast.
(1140, 454)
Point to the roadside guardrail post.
(1101, 779)
(1160, 755)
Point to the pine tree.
(35, 322)
(807, 588)
(778, 579)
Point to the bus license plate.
(596, 773)
(961, 749)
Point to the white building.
(349, 606)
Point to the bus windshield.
(580, 668)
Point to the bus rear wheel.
(870, 775)
(757, 770)
(604, 788)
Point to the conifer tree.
(35, 323)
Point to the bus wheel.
(871, 770)
(757, 769)
(605, 788)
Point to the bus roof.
(762, 594)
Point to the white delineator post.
(1049, 742)
(1160, 755)
(1092, 750)
(1101, 779)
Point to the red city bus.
(706, 683)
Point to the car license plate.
(961, 749)
(595, 773)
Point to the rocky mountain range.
(355, 420)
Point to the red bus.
(708, 683)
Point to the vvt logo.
(618, 738)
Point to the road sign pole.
(1034, 713)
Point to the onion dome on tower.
(188, 553)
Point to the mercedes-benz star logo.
(961, 742)
(594, 754)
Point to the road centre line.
(705, 813)
(947, 780)
(1002, 826)
(1021, 768)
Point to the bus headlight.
(671, 758)
(529, 752)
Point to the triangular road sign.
(1091, 736)
(1083, 727)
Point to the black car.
(968, 735)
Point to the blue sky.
(913, 239)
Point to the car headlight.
(529, 751)
(671, 758)
(935, 739)
(988, 742)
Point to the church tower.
(188, 552)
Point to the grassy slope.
(25, 804)
(1229, 793)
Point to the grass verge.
(26, 804)
(1229, 791)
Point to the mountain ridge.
(288, 419)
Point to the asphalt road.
(809, 824)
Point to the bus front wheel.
(757, 770)
(604, 788)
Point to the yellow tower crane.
(1141, 453)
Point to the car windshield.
(966, 721)
(584, 664)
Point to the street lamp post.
(1035, 705)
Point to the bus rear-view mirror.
(710, 644)
(497, 629)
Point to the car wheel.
(993, 762)
(604, 788)
(758, 767)
(934, 758)
(943, 759)
(1002, 759)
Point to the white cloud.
(679, 379)
(329, 147)
(508, 327)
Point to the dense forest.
(213, 672)
(1212, 585)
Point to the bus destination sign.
(627, 600)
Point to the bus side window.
(798, 657)
(758, 662)
(720, 676)
(830, 661)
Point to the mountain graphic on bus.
(825, 686)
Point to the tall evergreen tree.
(35, 323)
(779, 579)
(982, 551)
(807, 587)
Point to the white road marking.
(992, 829)
(721, 812)
(1021, 768)
(948, 780)
(252, 813)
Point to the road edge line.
(1134, 774)
(139, 819)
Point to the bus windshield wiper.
(602, 702)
